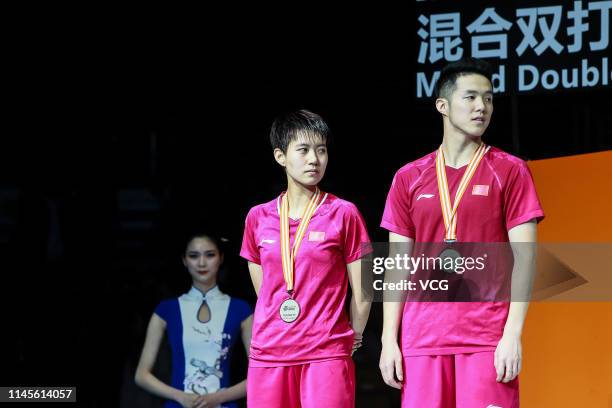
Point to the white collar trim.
(211, 293)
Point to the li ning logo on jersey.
(424, 196)
(266, 241)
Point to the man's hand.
(508, 358)
(391, 364)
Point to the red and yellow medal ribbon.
(289, 253)
(449, 212)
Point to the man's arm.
(391, 355)
(508, 354)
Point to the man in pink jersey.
(459, 354)
(303, 249)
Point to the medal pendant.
(289, 311)
(447, 256)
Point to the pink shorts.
(459, 380)
(320, 384)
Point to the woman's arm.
(246, 327)
(360, 308)
(256, 276)
(145, 379)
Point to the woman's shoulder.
(264, 208)
(167, 308)
(337, 204)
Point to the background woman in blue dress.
(202, 326)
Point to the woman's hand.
(209, 400)
(187, 400)
(357, 342)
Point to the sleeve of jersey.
(165, 309)
(249, 250)
(355, 234)
(396, 217)
(521, 199)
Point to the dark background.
(117, 145)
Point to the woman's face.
(305, 160)
(203, 259)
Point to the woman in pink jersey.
(303, 249)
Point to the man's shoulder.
(418, 166)
(501, 156)
(506, 165)
(413, 171)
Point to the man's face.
(470, 106)
(305, 160)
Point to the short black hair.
(447, 82)
(287, 126)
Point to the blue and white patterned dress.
(201, 350)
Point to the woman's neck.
(298, 195)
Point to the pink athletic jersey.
(333, 239)
(500, 196)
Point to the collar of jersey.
(278, 203)
(198, 295)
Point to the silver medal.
(289, 311)
(449, 253)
